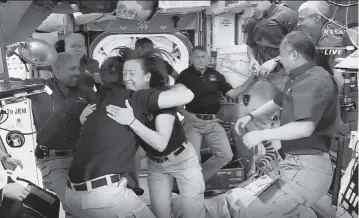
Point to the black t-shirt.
(106, 147)
(205, 88)
(177, 136)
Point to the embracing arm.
(242, 89)
(157, 139)
(178, 95)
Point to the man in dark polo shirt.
(313, 20)
(265, 31)
(106, 151)
(56, 118)
(307, 106)
(200, 120)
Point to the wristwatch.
(277, 59)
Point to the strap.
(251, 116)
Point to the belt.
(165, 158)
(96, 183)
(42, 151)
(60, 153)
(206, 116)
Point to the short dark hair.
(199, 48)
(301, 42)
(150, 5)
(144, 47)
(60, 46)
(114, 65)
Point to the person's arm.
(31, 18)
(267, 109)
(250, 53)
(6, 158)
(91, 96)
(288, 21)
(309, 101)
(181, 78)
(150, 100)
(251, 43)
(303, 129)
(15, 191)
(177, 96)
(240, 90)
(81, 18)
(158, 139)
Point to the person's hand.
(267, 67)
(16, 191)
(123, 116)
(241, 122)
(97, 78)
(254, 65)
(252, 139)
(13, 162)
(87, 111)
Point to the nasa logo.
(212, 78)
(333, 31)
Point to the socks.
(271, 154)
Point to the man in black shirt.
(106, 150)
(56, 118)
(200, 114)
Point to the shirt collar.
(208, 70)
(270, 10)
(296, 72)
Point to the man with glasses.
(314, 19)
